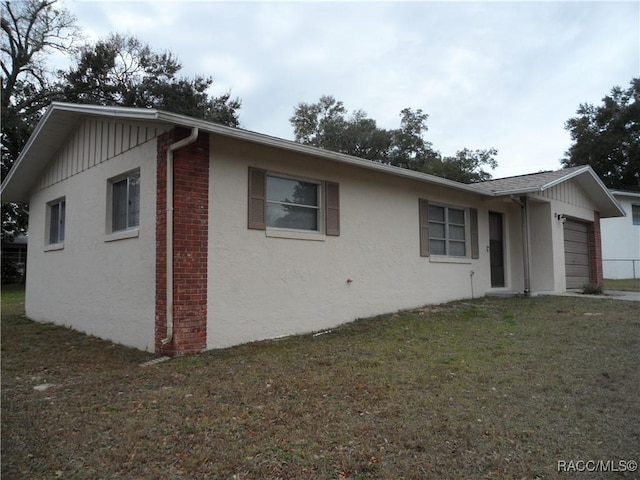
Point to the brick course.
(190, 245)
(595, 250)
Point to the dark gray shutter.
(424, 227)
(473, 218)
(257, 199)
(332, 208)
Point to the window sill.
(112, 237)
(444, 259)
(292, 234)
(54, 246)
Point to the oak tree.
(327, 124)
(124, 71)
(607, 137)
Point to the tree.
(607, 137)
(123, 71)
(32, 29)
(327, 124)
(465, 167)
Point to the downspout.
(522, 201)
(169, 225)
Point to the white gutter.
(169, 225)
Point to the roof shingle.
(527, 183)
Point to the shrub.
(592, 289)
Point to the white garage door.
(576, 253)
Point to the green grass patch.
(628, 284)
(490, 388)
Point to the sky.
(504, 75)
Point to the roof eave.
(608, 204)
(566, 177)
(605, 201)
(19, 193)
(292, 146)
(624, 193)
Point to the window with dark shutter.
(257, 199)
(424, 227)
(281, 203)
(332, 210)
(448, 231)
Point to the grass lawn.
(492, 388)
(628, 284)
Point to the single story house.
(176, 235)
(621, 238)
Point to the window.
(443, 230)
(56, 215)
(292, 204)
(125, 202)
(281, 202)
(635, 213)
(447, 231)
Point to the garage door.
(576, 253)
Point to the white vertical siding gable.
(570, 193)
(93, 142)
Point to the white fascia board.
(16, 166)
(624, 193)
(110, 111)
(515, 191)
(566, 177)
(605, 194)
(153, 115)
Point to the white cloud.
(489, 74)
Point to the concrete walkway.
(610, 294)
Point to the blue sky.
(489, 74)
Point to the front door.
(496, 249)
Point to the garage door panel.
(578, 271)
(576, 253)
(575, 236)
(572, 247)
(576, 259)
(575, 226)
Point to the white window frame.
(447, 239)
(60, 205)
(130, 230)
(272, 230)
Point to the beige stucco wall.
(263, 287)
(515, 252)
(105, 288)
(541, 237)
(548, 264)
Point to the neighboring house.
(621, 238)
(176, 235)
(14, 259)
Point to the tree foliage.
(327, 124)
(123, 71)
(32, 29)
(120, 71)
(607, 137)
